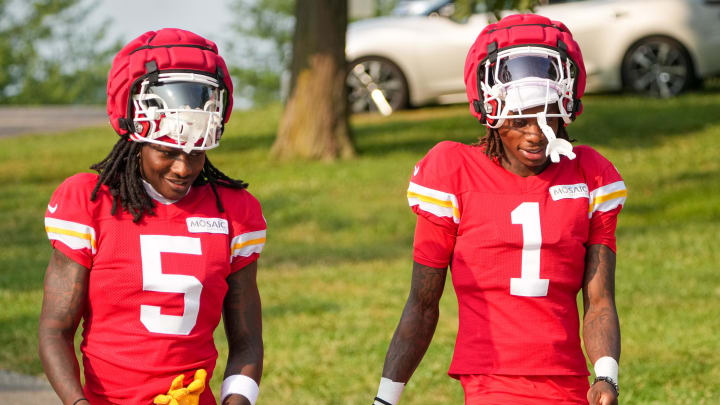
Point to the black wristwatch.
(609, 381)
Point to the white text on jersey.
(207, 225)
(579, 190)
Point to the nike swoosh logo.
(417, 169)
(52, 209)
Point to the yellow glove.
(177, 395)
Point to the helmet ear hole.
(490, 109)
(142, 128)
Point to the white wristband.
(242, 385)
(607, 367)
(390, 391)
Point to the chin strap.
(556, 146)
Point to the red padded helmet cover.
(521, 29)
(170, 49)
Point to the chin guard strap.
(556, 146)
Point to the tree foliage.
(263, 49)
(49, 54)
(464, 8)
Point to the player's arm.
(414, 331)
(64, 299)
(243, 327)
(601, 328)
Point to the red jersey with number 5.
(156, 287)
(516, 249)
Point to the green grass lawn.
(336, 268)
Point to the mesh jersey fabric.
(484, 389)
(175, 263)
(465, 194)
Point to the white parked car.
(417, 55)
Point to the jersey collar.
(159, 197)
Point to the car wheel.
(657, 66)
(365, 75)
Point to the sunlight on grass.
(335, 272)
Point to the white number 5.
(155, 280)
(529, 284)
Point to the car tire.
(365, 74)
(657, 66)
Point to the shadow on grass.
(416, 132)
(300, 305)
(260, 140)
(612, 120)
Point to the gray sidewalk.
(17, 389)
(19, 120)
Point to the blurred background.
(336, 269)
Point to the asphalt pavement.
(19, 120)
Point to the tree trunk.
(314, 124)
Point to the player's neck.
(159, 197)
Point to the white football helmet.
(179, 110)
(530, 76)
(525, 77)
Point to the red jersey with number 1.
(156, 287)
(516, 248)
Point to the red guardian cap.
(170, 87)
(520, 62)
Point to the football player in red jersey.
(525, 222)
(152, 250)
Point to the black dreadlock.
(493, 143)
(120, 171)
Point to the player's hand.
(602, 393)
(178, 395)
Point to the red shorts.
(493, 389)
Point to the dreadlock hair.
(493, 144)
(120, 171)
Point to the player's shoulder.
(72, 201)
(448, 149)
(77, 185)
(588, 155)
(595, 167)
(239, 202)
(239, 196)
(80, 181)
(448, 156)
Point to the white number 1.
(155, 280)
(529, 284)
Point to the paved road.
(49, 119)
(16, 389)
